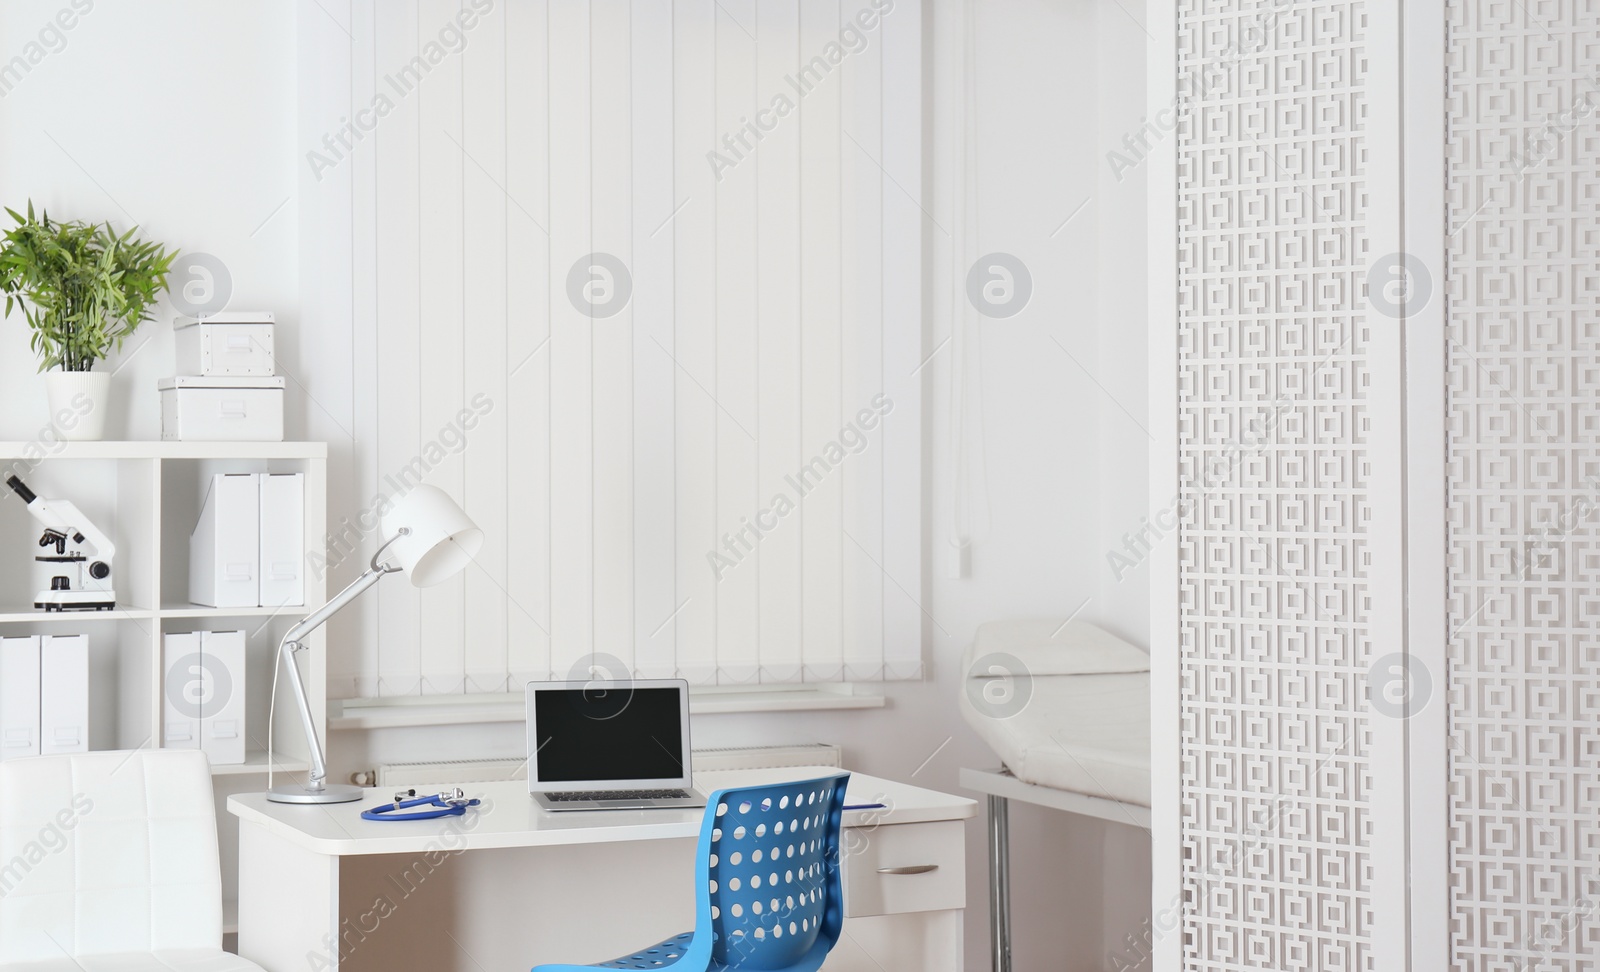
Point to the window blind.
(640, 285)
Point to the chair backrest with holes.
(769, 872)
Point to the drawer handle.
(909, 869)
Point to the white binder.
(19, 697)
(222, 730)
(203, 696)
(63, 694)
(182, 686)
(283, 515)
(225, 548)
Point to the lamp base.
(333, 793)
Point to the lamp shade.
(442, 541)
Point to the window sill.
(459, 710)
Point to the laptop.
(616, 744)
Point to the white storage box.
(217, 409)
(203, 704)
(63, 694)
(234, 344)
(225, 548)
(222, 714)
(283, 539)
(19, 697)
(181, 685)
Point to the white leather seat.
(169, 960)
(108, 863)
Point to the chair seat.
(660, 956)
(171, 960)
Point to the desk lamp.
(433, 540)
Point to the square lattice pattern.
(1273, 426)
(1523, 290)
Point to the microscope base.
(76, 601)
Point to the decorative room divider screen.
(1377, 355)
(1273, 422)
(1522, 294)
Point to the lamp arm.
(316, 619)
(320, 616)
(288, 652)
(294, 642)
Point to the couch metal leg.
(1000, 883)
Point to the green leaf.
(83, 288)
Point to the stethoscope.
(450, 803)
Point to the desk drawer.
(900, 868)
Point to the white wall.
(147, 115)
(204, 152)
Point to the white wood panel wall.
(775, 301)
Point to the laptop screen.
(593, 734)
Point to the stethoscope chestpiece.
(449, 803)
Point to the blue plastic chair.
(767, 884)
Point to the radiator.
(450, 771)
(490, 770)
(764, 757)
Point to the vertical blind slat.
(654, 153)
(612, 203)
(398, 178)
(480, 418)
(528, 295)
(571, 342)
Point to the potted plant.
(83, 290)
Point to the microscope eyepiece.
(21, 489)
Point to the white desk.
(511, 885)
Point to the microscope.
(84, 581)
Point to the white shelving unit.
(146, 496)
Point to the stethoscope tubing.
(437, 807)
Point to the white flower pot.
(79, 401)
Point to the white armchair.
(108, 863)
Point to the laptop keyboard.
(618, 795)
